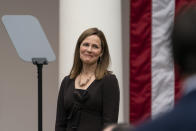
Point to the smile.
(88, 55)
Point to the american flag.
(154, 81)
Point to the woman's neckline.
(74, 81)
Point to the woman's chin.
(89, 62)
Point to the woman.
(89, 97)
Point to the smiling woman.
(90, 49)
(89, 97)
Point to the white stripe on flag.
(163, 12)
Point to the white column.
(78, 15)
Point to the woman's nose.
(89, 49)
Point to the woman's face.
(90, 49)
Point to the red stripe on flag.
(178, 85)
(183, 3)
(140, 60)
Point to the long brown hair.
(102, 63)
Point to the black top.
(90, 109)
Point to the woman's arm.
(61, 115)
(111, 97)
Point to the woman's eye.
(85, 44)
(95, 46)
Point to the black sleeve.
(61, 115)
(111, 98)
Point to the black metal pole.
(39, 62)
(39, 71)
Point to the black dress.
(90, 109)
